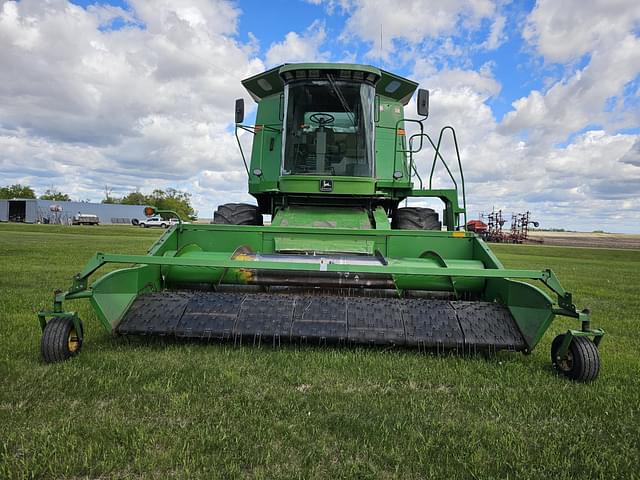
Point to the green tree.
(169, 199)
(52, 194)
(134, 198)
(17, 191)
(172, 199)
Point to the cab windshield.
(329, 128)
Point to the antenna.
(380, 50)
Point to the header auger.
(341, 261)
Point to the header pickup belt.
(274, 318)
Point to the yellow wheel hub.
(73, 341)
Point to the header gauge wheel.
(60, 340)
(580, 363)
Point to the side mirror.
(239, 110)
(423, 103)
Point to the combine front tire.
(580, 363)
(60, 340)
(237, 214)
(415, 218)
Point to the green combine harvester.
(342, 262)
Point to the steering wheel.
(321, 118)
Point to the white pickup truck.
(157, 221)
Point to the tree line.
(18, 190)
(169, 199)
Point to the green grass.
(152, 408)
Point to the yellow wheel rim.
(73, 341)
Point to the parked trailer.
(85, 219)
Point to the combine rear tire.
(237, 214)
(415, 218)
(60, 340)
(581, 362)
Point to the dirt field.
(579, 239)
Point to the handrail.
(437, 156)
(455, 143)
(446, 166)
(412, 166)
(395, 140)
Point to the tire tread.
(415, 218)
(237, 214)
(53, 344)
(586, 359)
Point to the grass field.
(152, 409)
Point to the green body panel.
(267, 146)
(321, 245)
(380, 219)
(293, 67)
(113, 293)
(531, 307)
(310, 184)
(323, 217)
(270, 82)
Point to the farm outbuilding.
(31, 210)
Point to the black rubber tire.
(163, 225)
(237, 214)
(582, 362)
(415, 218)
(56, 338)
(135, 221)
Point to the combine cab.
(342, 262)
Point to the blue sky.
(135, 95)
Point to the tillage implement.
(342, 260)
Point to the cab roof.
(387, 84)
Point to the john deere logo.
(326, 185)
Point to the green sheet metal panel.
(266, 150)
(320, 244)
(323, 217)
(310, 184)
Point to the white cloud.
(297, 47)
(575, 186)
(565, 31)
(147, 105)
(632, 157)
(496, 33)
(332, 5)
(413, 21)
